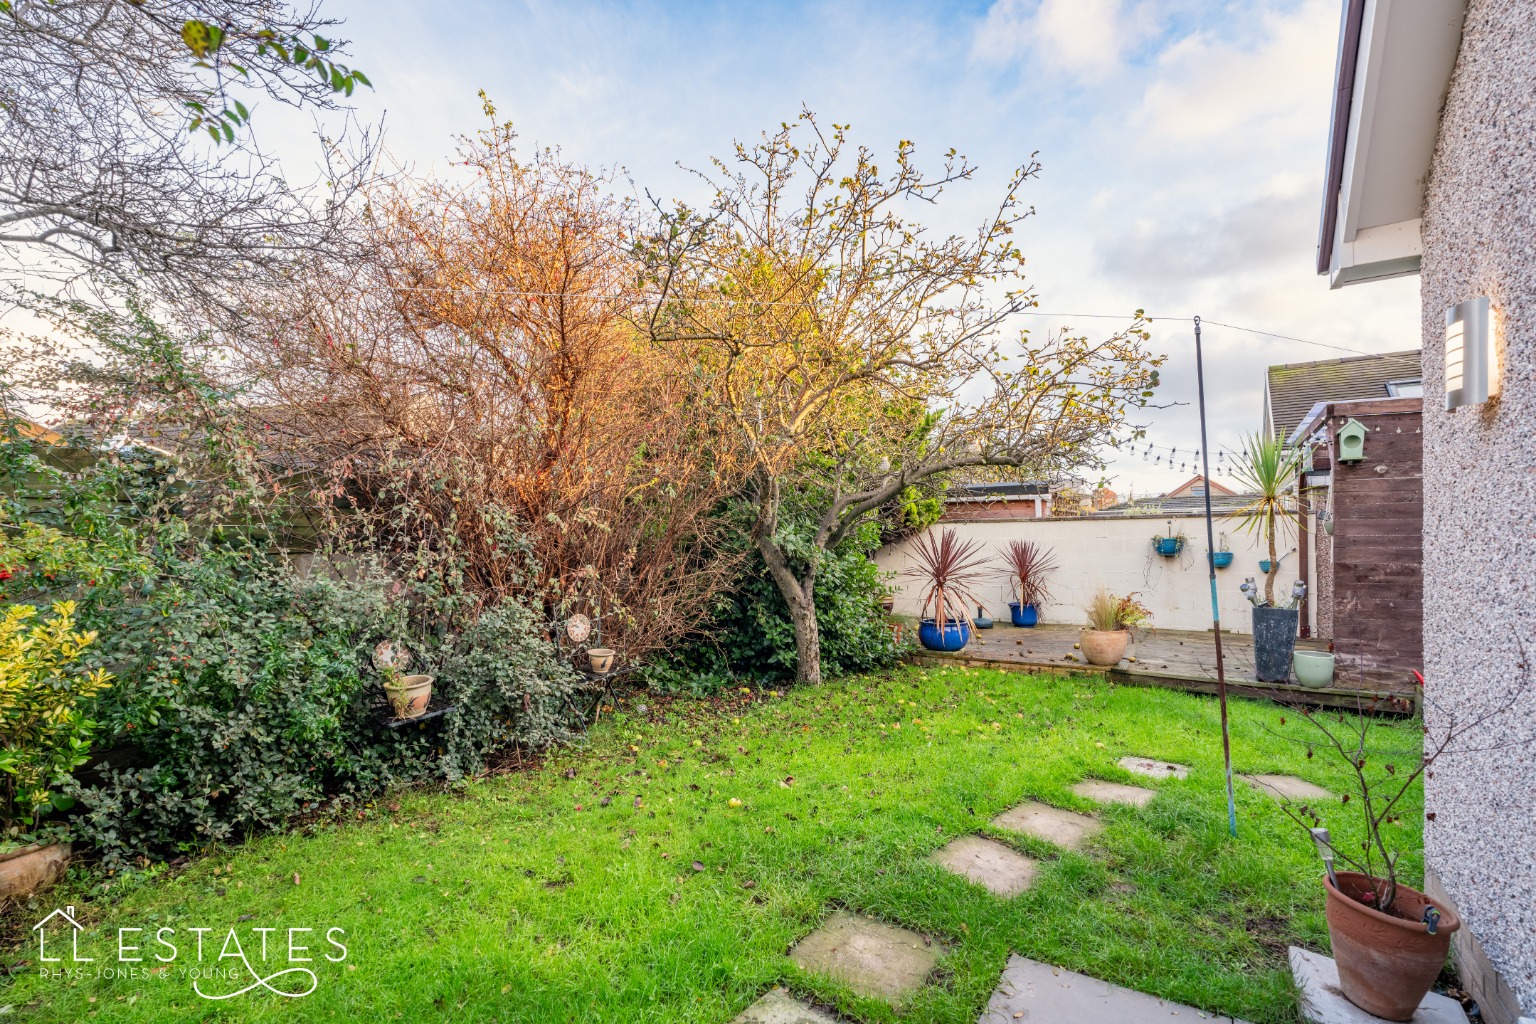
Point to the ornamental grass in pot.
(1111, 618)
(1028, 567)
(949, 568)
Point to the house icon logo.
(68, 914)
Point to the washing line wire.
(514, 293)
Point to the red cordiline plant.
(1028, 567)
(950, 568)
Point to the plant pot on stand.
(1105, 647)
(409, 695)
(1274, 641)
(1387, 961)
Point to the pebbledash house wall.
(1479, 236)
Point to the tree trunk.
(1274, 568)
(800, 595)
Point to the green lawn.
(623, 881)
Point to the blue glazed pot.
(1168, 546)
(1264, 565)
(1221, 559)
(1026, 615)
(956, 634)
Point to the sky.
(1182, 144)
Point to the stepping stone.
(1287, 787)
(1041, 994)
(1114, 792)
(1005, 871)
(779, 1007)
(1323, 1002)
(1153, 768)
(874, 959)
(1064, 828)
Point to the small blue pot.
(1264, 565)
(1168, 546)
(1026, 615)
(1221, 559)
(955, 635)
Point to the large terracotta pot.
(1386, 962)
(32, 867)
(1105, 647)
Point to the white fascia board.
(1404, 62)
(1391, 250)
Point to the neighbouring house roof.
(998, 492)
(1394, 64)
(1187, 488)
(1221, 504)
(1292, 389)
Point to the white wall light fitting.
(1471, 358)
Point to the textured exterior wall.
(1117, 553)
(1480, 494)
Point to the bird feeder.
(1352, 442)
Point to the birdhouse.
(1352, 442)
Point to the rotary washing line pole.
(1210, 564)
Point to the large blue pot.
(1221, 559)
(956, 634)
(1168, 546)
(1026, 615)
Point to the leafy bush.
(752, 636)
(248, 698)
(45, 735)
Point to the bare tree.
(123, 142)
(854, 354)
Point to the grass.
(661, 871)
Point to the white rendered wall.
(1117, 553)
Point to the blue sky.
(1182, 141)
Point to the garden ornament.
(1325, 850)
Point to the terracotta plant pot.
(601, 659)
(1386, 962)
(1103, 647)
(409, 695)
(32, 867)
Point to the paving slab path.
(1003, 870)
(1323, 1001)
(1114, 792)
(874, 959)
(779, 1007)
(1287, 787)
(1153, 768)
(1066, 829)
(1037, 993)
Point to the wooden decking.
(1176, 659)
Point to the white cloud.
(1084, 37)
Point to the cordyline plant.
(852, 355)
(1028, 567)
(1268, 469)
(950, 569)
(473, 380)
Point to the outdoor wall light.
(1471, 362)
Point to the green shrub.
(248, 697)
(752, 637)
